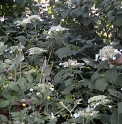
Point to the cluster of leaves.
(38, 40)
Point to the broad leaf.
(105, 118)
(30, 78)
(115, 93)
(19, 59)
(4, 103)
(101, 84)
(120, 108)
(3, 118)
(111, 75)
(116, 118)
(119, 80)
(68, 97)
(63, 52)
(21, 82)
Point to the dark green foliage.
(34, 51)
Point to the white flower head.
(14, 49)
(28, 20)
(36, 50)
(56, 28)
(98, 100)
(72, 63)
(88, 112)
(107, 53)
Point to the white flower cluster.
(36, 50)
(56, 29)
(87, 113)
(71, 63)
(107, 53)
(97, 100)
(43, 88)
(90, 110)
(15, 49)
(28, 20)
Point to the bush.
(48, 70)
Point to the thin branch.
(20, 49)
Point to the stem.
(7, 35)
(20, 45)
(15, 72)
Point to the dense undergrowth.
(48, 72)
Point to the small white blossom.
(91, 114)
(110, 106)
(96, 57)
(52, 89)
(2, 19)
(76, 115)
(52, 116)
(38, 93)
(114, 58)
(97, 103)
(88, 100)
(31, 89)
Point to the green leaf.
(38, 77)
(8, 61)
(62, 74)
(116, 118)
(69, 82)
(109, 13)
(95, 76)
(120, 108)
(68, 97)
(111, 75)
(4, 103)
(30, 78)
(21, 82)
(105, 118)
(3, 118)
(101, 65)
(119, 80)
(63, 52)
(12, 84)
(21, 39)
(86, 22)
(19, 59)
(118, 23)
(2, 48)
(18, 1)
(101, 84)
(68, 89)
(115, 93)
